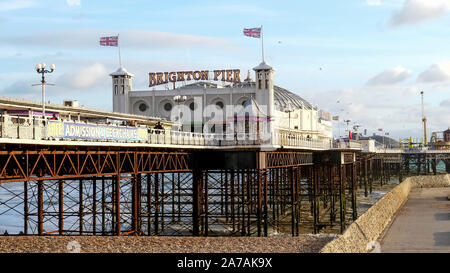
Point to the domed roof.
(285, 99)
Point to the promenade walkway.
(422, 224)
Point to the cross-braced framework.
(168, 193)
(159, 193)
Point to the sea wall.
(370, 225)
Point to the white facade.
(285, 111)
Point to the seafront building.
(249, 107)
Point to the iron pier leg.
(342, 198)
(25, 207)
(94, 206)
(196, 179)
(80, 213)
(118, 220)
(60, 207)
(354, 188)
(40, 207)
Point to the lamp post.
(347, 129)
(179, 99)
(289, 109)
(40, 68)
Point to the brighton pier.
(182, 183)
(270, 168)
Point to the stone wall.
(370, 225)
(430, 181)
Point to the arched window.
(168, 106)
(219, 104)
(247, 123)
(116, 89)
(142, 107)
(123, 89)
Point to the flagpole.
(118, 45)
(262, 43)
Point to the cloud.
(417, 11)
(19, 87)
(72, 3)
(436, 73)
(156, 39)
(445, 103)
(373, 2)
(140, 39)
(391, 76)
(84, 78)
(15, 5)
(384, 107)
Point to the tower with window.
(122, 85)
(264, 93)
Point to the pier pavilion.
(211, 107)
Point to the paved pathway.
(422, 224)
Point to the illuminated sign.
(158, 78)
(59, 129)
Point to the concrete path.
(422, 224)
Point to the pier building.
(238, 103)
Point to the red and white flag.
(109, 41)
(253, 32)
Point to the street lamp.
(347, 129)
(40, 68)
(179, 99)
(289, 109)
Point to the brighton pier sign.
(230, 75)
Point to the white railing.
(296, 140)
(36, 129)
(388, 150)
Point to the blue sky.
(373, 56)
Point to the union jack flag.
(253, 32)
(109, 41)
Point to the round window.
(192, 106)
(168, 107)
(142, 107)
(219, 104)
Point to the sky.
(364, 60)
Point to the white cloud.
(144, 39)
(72, 3)
(445, 103)
(390, 76)
(439, 72)
(21, 88)
(373, 2)
(417, 11)
(15, 5)
(396, 109)
(84, 78)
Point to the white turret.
(264, 94)
(122, 85)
